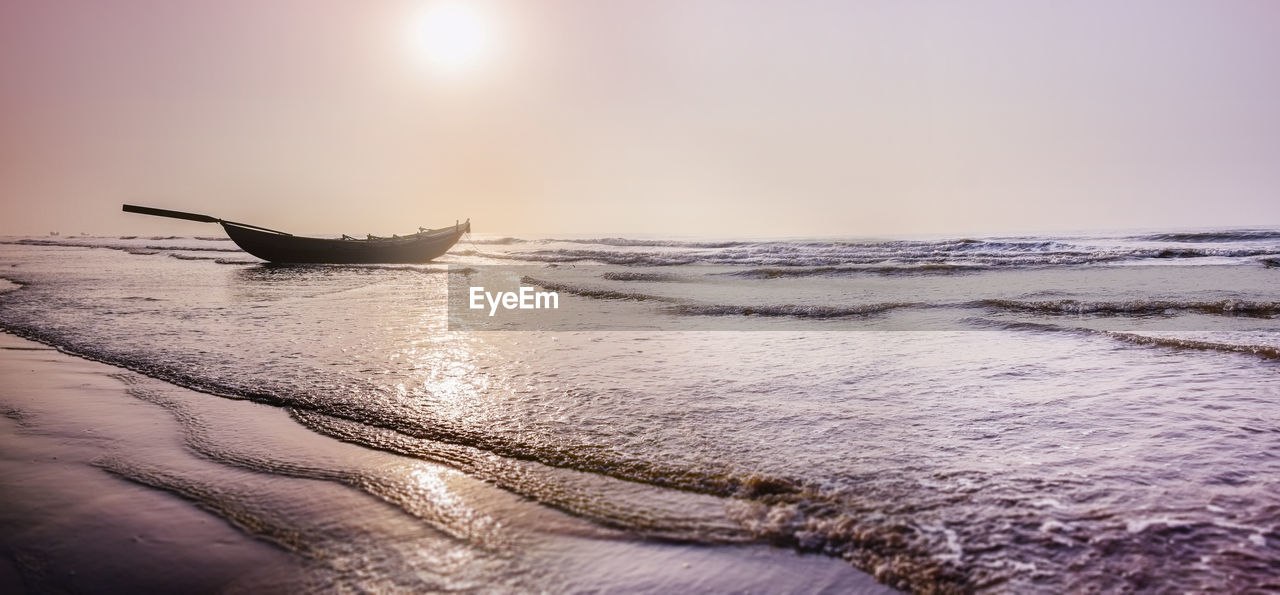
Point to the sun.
(453, 35)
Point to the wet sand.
(73, 430)
(71, 526)
(70, 529)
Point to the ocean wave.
(894, 258)
(1017, 252)
(594, 292)
(838, 271)
(1269, 352)
(602, 256)
(639, 510)
(1240, 235)
(652, 243)
(1201, 252)
(188, 248)
(636, 276)
(498, 241)
(61, 243)
(789, 257)
(201, 238)
(687, 308)
(895, 549)
(180, 256)
(133, 249)
(1138, 307)
(794, 311)
(784, 511)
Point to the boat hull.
(283, 248)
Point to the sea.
(1077, 412)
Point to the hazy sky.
(724, 117)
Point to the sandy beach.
(71, 525)
(74, 429)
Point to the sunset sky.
(711, 117)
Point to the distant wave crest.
(942, 256)
(1213, 236)
(1138, 307)
(791, 310)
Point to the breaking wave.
(687, 308)
(838, 271)
(634, 276)
(895, 256)
(1268, 352)
(1242, 235)
(652, 243)
(602, 256)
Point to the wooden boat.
(281, 247)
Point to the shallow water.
(1093, 412)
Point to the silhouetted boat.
(281, 247)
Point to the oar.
(191, 217)
(173, 214)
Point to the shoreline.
(77, 435)
(70, 524)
